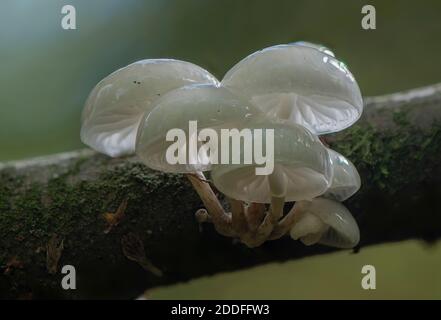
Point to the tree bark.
(52, 209)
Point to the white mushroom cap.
(325, 221)
(302, 168)
(212, 106)
(116, 105)
(345, 180)
(300, 84)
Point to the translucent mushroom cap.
(301, 166)
(116, 105)
(300, 84)
(345, 180)
(325, 221)
(213, 107)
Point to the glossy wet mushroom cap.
(345, 179)
(299, 84)
(325, 221)
(302, 167)
(116, 105)
(213, 107)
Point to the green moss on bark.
(391, 159)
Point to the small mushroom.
(301, 84)
(116, 105)
(324, 221)
(212, 108)
(302, 167)
(345, 180)
(209, 106)
(302, 171)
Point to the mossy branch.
(93, 205)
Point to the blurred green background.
(407, 270)
(46, 74)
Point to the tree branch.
(73, 197)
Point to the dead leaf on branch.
(54, 248)
(133, 249)
(113, 219)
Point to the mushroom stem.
(276, 209)
(255, 214)
(290, 219)
(221, 220)
(285, 225)
(277, 184)
(239, 221)
(271, 218)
